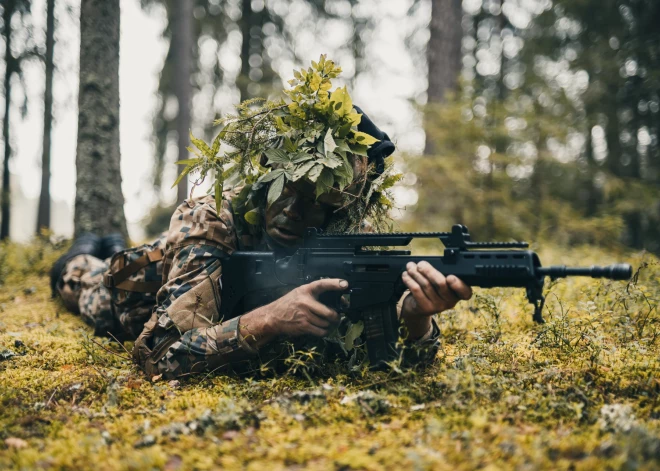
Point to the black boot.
(85, 244)
(111, 244)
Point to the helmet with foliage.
(318, 136)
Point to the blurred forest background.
(529, 119)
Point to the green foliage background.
(554, 132)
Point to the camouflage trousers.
(82, 291)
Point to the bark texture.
(182, 39)
(99, 198)
(245, 24)
(443, 53)
(43, 214)
(8, 12)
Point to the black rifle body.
(374, 276)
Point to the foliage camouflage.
(313, 137)
(580, 392)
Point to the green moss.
(504, 394)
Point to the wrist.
(408, 307)
(256, 328)
(418, 327)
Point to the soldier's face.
(294, 211)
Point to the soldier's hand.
(301, 313)
(430, 291)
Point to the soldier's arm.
(185, 333)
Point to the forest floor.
(579, 392)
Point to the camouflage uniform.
(185, 333)
(83, 292)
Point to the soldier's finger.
(418, 273)
(318, 287)
(319, 321)
(418, 293)
(322, 311)
(316, 331)
(439, 283)
(459, 287)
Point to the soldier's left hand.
(430, 291)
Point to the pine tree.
(43, 214)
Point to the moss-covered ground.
(580, 392)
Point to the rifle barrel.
(618, 271)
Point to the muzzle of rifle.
(618, 271)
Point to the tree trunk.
(182, 39)
(7, 14)
(99, 198)
(443, 53)
(245, 23)
(43, 215)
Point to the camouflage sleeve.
(423, 351)
(185, 334)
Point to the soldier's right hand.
(301, 313)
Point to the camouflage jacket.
(185, 333)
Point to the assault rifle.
(374, 276)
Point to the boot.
(111, 244)
(85, 244)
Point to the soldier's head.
(294, 211)
(298, 208)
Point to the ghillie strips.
(312, 137)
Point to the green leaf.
(355, 118)
(342, 181)
(325, 182)
(331, 161)
(218, 196)
(201, 145)
(275, 189)
(277, 156)
(346, 170)
(216, 143)
(354, 331)
(364, 138)
(340, 102)
(315, 82)
(342, 145)
(329, 143)
(359, 149)
(185, 172)
(187, 161)
(289, 146)
(253, 216)
(344, 129)
(301, 157)
(303, 169)
(272, 175)
(314, 173)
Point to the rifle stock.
(374, 276)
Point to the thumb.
(319, 287)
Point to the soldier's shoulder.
(198, 219)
